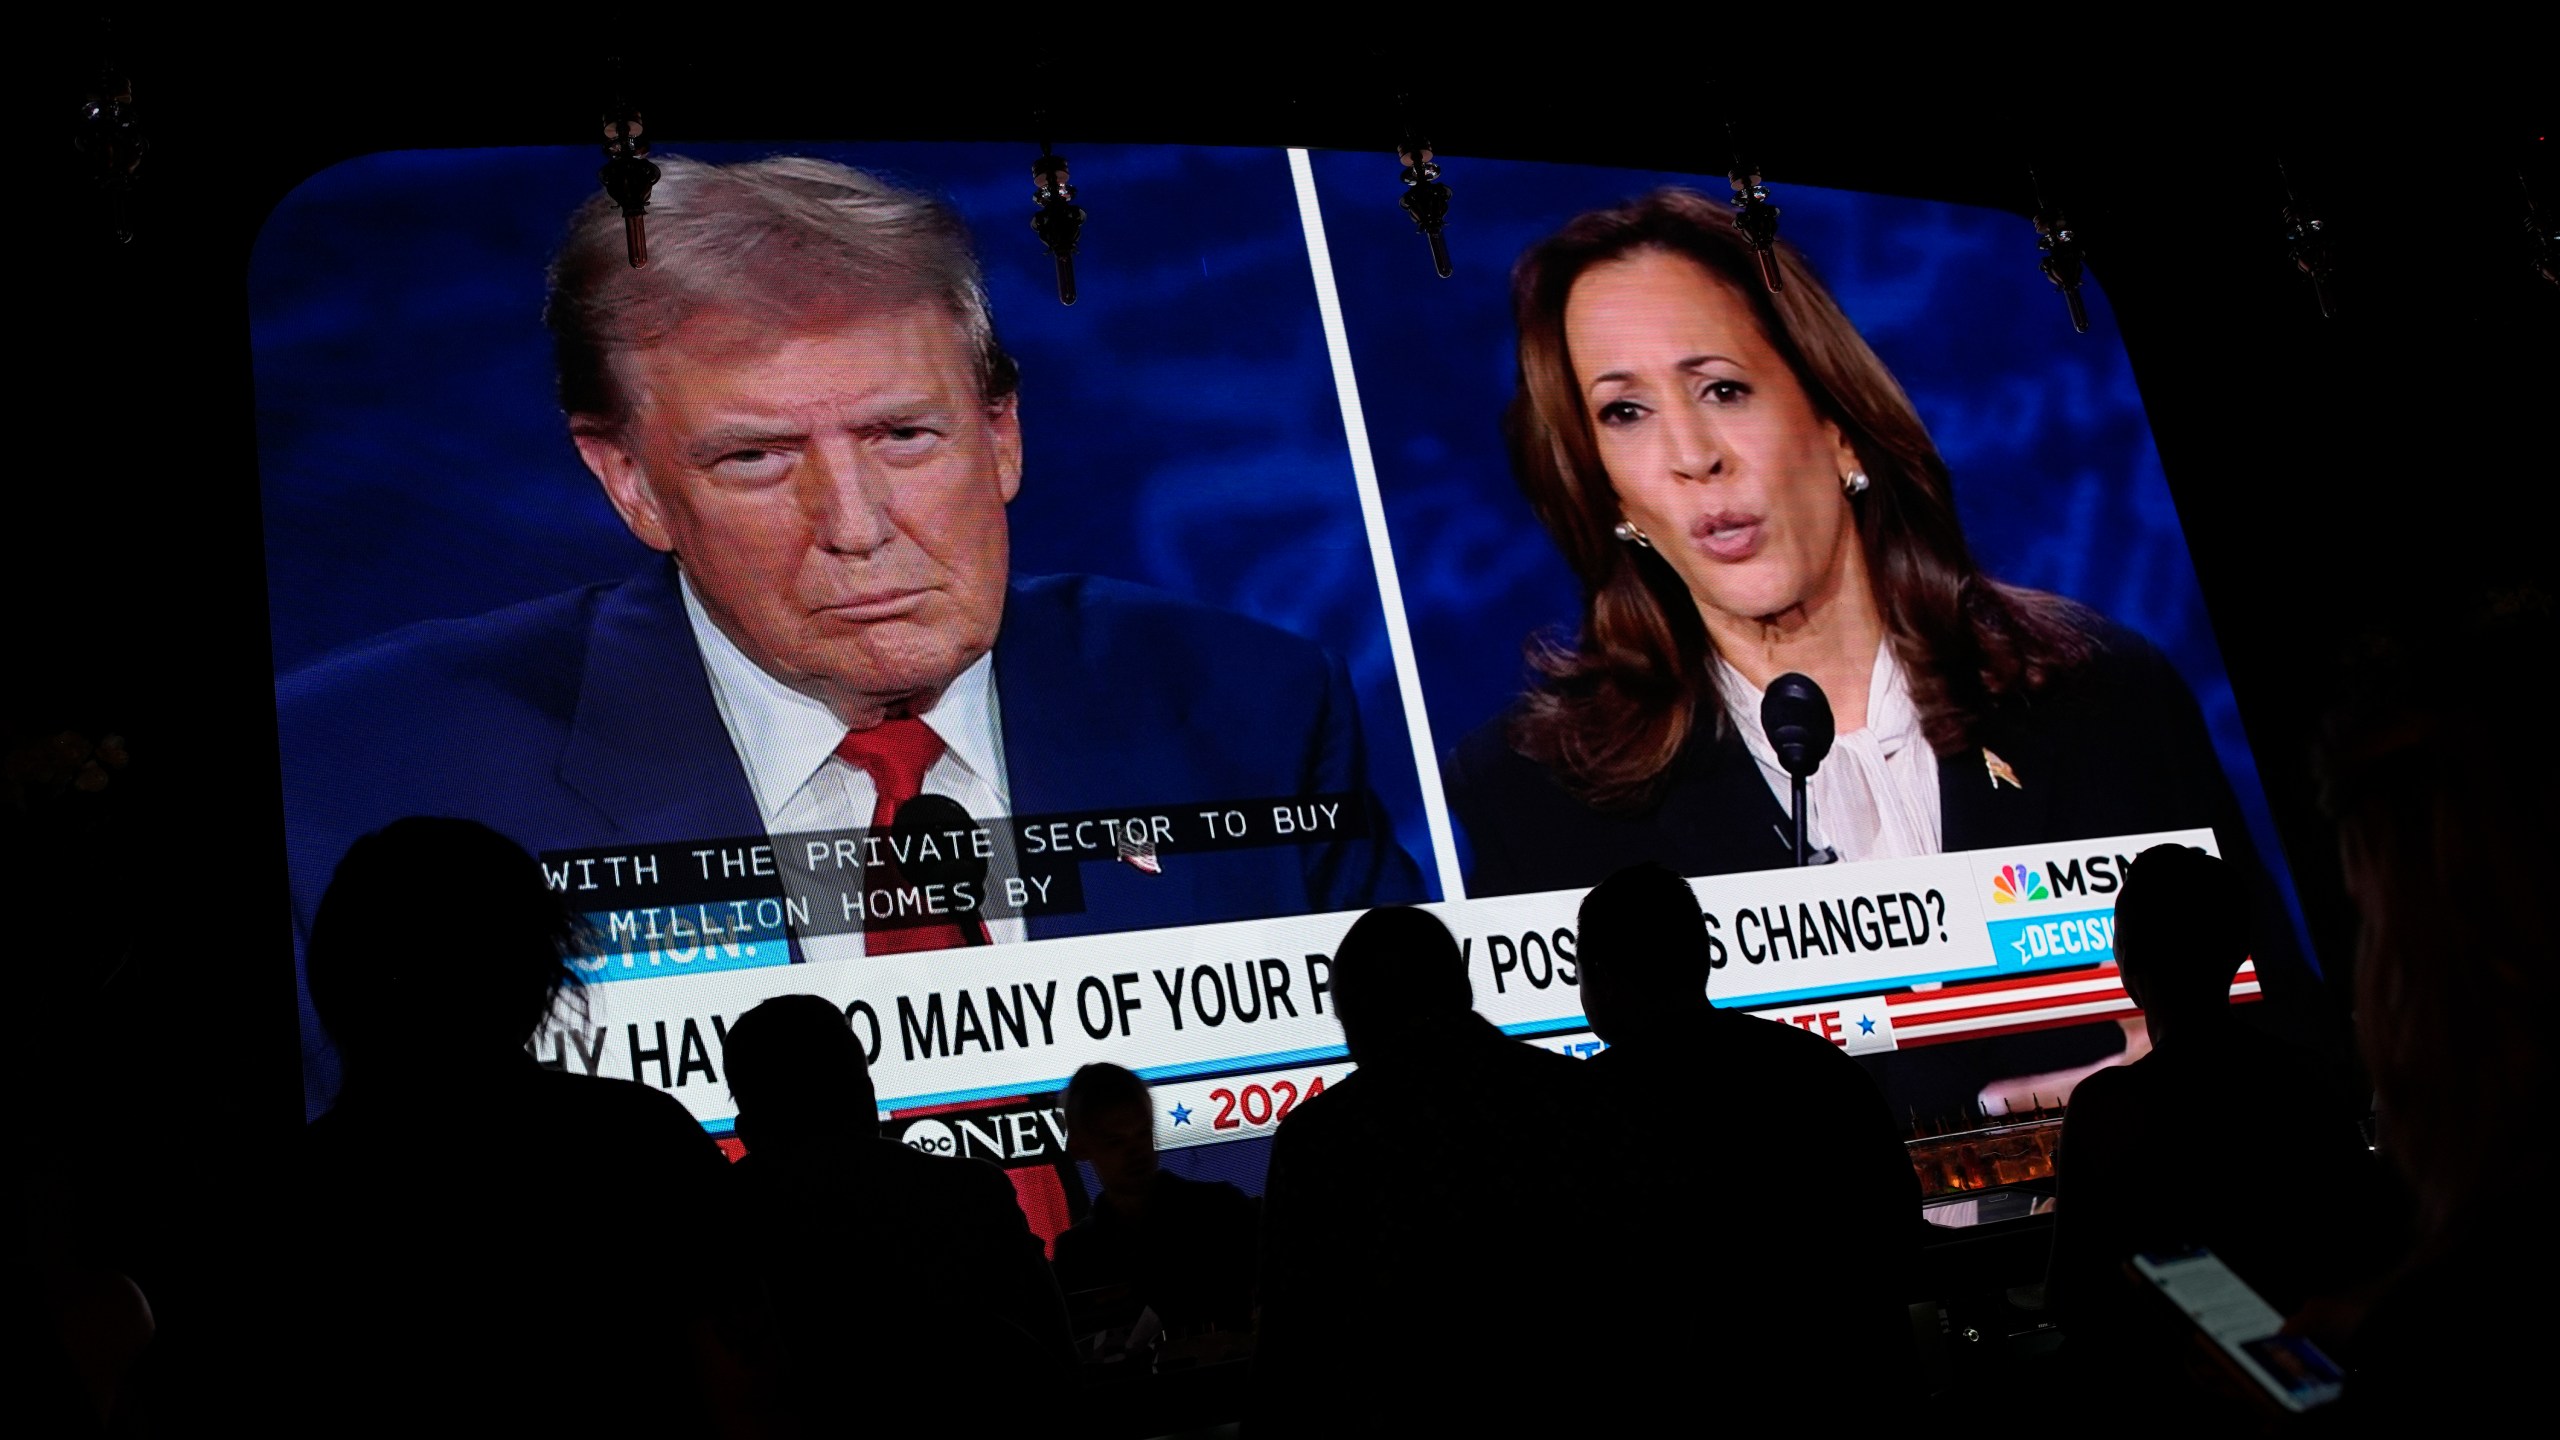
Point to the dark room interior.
(2244, 581)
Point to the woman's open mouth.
(1729, 535)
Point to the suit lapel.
(647, 747)
(1977, 811)
(1722, 781)
(1049, 753)
(1050, 756)
(1066, 750)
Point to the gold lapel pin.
(1999, 770)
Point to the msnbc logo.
(2018, 882)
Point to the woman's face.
(1714, 450)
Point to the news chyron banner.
(1825, 947)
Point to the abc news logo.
(1009, 1136)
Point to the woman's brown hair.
(1616, 706)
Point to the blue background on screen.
(2056, 477)
(1180, 420)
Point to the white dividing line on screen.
(1373, 513)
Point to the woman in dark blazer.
(1745, 490)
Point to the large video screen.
(832, 610)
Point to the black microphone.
(1797, 716)
(932, 835)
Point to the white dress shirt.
(1875, 796)
(786, 742)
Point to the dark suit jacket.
(1191, 1259)
(869, 1268)
(2117, 749)
(587, 719)
(1438, 1232)
(420, 1219)
(1789, 1208)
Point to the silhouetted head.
(2182, 929)
(1111, 1124)
(1642, 946)
(798, 1075)
(438, 949)
(1398, 977)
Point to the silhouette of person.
(878, 1266)
(1803, 1288)
(450, 1274)
(74, 1334)
(1425, 1252)
(1184, 1248)
(2218, 1137)
(2445, 830)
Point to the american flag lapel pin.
(1998, 769)
(1139, 855)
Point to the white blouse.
(1875, 796)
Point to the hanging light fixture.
(2060, 257)
(109, 136)
(2306, 239)
(628, 174)
(1056, 217)
(1426, 198)
(1753, 215)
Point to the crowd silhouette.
(2446, 839)
(459, 1201)
(1177, 1255)
(1825, 1252)
(2219, 1137)
(1436, 1214)
(1469, 1232)
(863, 1264)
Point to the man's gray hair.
(789, 240)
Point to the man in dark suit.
(444, 1176)
(1794, 1217)
(801, 403)
(1182, 1248)
(866, 1266)
(1427, 1251)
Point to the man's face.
(1118, 1140)
(836, 495)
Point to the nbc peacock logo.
(2017, 883)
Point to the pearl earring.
(1628, 532)
(1854, 483)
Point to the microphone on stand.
(931, 819)
(1797, 716)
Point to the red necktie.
(896, 753)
